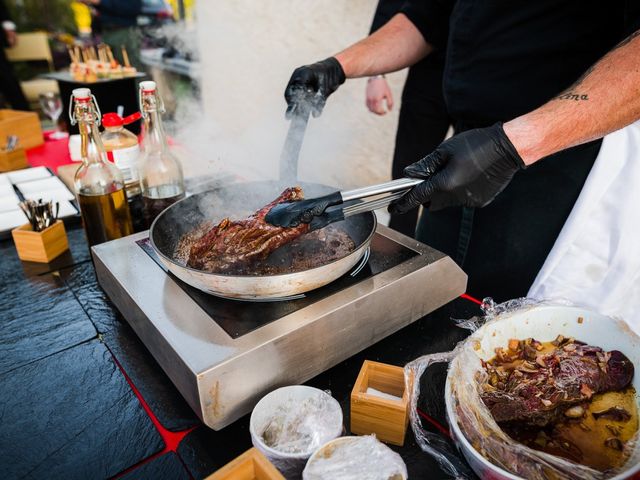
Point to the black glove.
(309, 86)
(467, 170)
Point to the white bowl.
(326, 425)
(362, 458)
(544, 323)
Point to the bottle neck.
(154, 139)
(91, 147)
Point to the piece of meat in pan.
(235, 243)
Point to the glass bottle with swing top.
(161, 178)
(99, 184)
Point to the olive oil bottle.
(99, 184)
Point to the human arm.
(470, 169)
(397, 45)
(606, 98)
(388, 49)
(420, 27)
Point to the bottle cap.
(114, 120)
(148, 86)
(81, 93)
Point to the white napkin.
(9, 202)
(381, 394)
(12, 219)
(595, 261)
(66, 209)
(56, 195)
(40, 185)
(28, 174)
(4, 180)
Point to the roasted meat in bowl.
(547, 391)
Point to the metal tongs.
(316, 211)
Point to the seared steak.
(235, 243)
(537, 388)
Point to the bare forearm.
(396, 45)
(605, 99)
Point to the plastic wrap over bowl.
(544, 323)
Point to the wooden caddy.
(25, 125)
(41, 246)
(386, 418)
(251, 465)
(13, 160)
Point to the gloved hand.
(469, 170)
(312, 84)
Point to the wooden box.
(370, 413)
(41, 246)
(251, 465)
(13, 160)
(25, 125)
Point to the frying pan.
(236, 202)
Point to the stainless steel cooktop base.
(222, 378)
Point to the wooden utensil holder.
(370, 413)
(13, 160)
(42, 246)
(251, 465)
(25, 125)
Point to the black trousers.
(422, 125)
(502, 246)
(9, 86)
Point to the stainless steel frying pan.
(238, 201)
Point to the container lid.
(114, 120)
(148, 86)
(81, 93)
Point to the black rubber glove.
(467, 170)
(310, 85)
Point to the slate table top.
(81, 397)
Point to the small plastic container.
(290, 423)
(121, 145)
(123, 150)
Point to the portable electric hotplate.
(224, 355)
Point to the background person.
(502, 63)
(423, 121)
(9, 85)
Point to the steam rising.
(248, 49)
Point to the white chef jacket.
(595, 261)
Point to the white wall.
(248, 50)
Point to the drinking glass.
(52, 107)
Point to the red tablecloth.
(52, 153)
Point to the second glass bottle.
(161, 178)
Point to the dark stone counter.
(82, 397)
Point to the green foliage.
(50, 15)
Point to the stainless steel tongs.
(318, 213)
